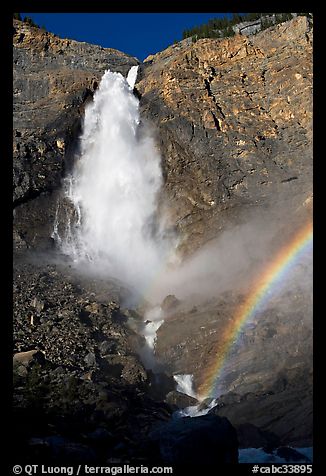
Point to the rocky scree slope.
(80, 393)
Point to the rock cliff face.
(233, 122)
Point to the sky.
(137, 34)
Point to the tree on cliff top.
(223, 26)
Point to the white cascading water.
(185, 384)
(196, 410)
(114, 189)
(153, 320)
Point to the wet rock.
(204, 404)
(196, 440)
(290, 454)
(188, 341)
(160, 384)
(228, 399)
(180, 400)
(250, 436)
(54, 448)
(287, 414)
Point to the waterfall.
(114, 190)
(185, 384)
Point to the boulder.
(90, 359)
(291, 455)
(169, 303)
(180, 400)
(160, 384)
(26, 358)
(207, 440)
(250, 436)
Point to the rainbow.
(275, 271)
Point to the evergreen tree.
(228, 31)
(236, 18)
(266, 23)
(222, 26)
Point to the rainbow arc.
(276, 271)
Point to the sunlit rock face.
(234, 120)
